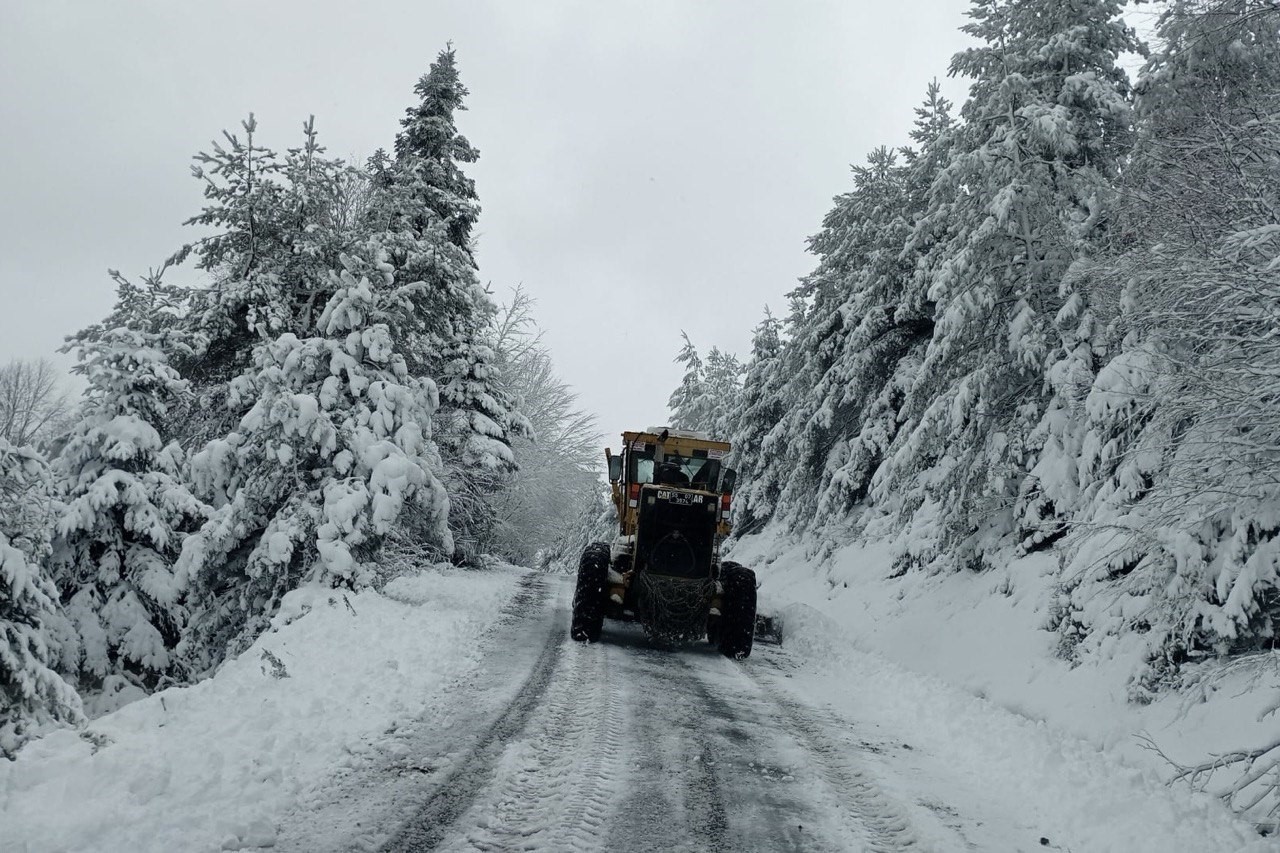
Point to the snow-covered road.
(615, 746)
(622, 747)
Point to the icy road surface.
(617, 746)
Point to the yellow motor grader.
(673, 497)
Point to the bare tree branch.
(33, 403)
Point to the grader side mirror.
(728, 481)
(615, 469)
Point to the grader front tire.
(589, 594)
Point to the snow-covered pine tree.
(32, 693)
(422, 213)
(280, 223)
(795, 445)
(333, 452)
(859, 332)
(759, 410)
(723, 382)
(849, 417)
(429, 153)
(924, 254)
(707, 398)
(1179, 519)
(125, 512)
(1177, 536)
(476, 424)
(688, 402)
(1045, 128)
(933, 135)
(884, 351)
(776, 452)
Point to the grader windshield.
(694, 471)
(681, 459)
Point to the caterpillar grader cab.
(673, 497)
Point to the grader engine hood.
(677, 529)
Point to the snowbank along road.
(558, 746)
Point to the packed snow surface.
(214, 765)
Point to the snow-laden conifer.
(476, 425)
(723, 380)
(280, 223)
(32, 693)
(333, 451)
(125, 512)
(759, 410)
(687, 401)
(844, 424)
(707, 398)
(1025, 188)
(421, 214)
(860, 327)
(1179, 517)
(776, 458)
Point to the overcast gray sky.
(645, 167)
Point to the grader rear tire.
(736, 631)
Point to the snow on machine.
(663, 570)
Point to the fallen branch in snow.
(1246, 780)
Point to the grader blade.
(769, 628)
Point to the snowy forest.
(1048, 323)
(340, 396)
(1044, 333)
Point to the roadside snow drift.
(213, 765)
(959, 664)
(1008, 779)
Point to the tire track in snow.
(553, 786)
(454, 793)
(591, 805)
(733, 764)
(884, 824)
(363, 805)
(673, 796)
(769, 811)
(623, 747)
(533, 592)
